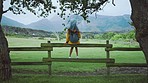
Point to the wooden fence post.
(107, 56)
(49, 56)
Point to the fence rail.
(74, 45)
(126, 65)
(30, 49)
(123, 49)
(87, 60)
(30, 63)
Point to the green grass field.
(38, 74)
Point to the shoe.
(77, 57)
(69, 57)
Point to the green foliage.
(44, 7)
(124, 36)
(37, 7)
(108, 35)
(130, 35)
(88, 35)
(80, 7)
(42, 38)
(118, 37)
(62, 35)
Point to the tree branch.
(6, 10)
(113, 3)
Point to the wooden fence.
(110, 62)
(125, 64)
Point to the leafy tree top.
(45, 7)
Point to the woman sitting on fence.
(72, 37)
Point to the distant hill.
(97, 23)
(107, 23)
(26, 32)
(55, 24)
(10, 22)
(43, 24)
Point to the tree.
(38, 7)
(140, 21)
(5, 67)
(81, 7)
(108, 35)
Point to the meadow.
(66, 72)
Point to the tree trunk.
(5, 67)
(140, 20)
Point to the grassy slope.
(61, 67)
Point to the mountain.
(107, 23)
(98, 23)
(43, 24)
(10, 22)
(55, 24)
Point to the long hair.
(73, 25)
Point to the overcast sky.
(122, 7)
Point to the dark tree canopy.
(81, 7)
(44, 7)
(37, 7)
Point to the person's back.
(72, 37)
(73, 34)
